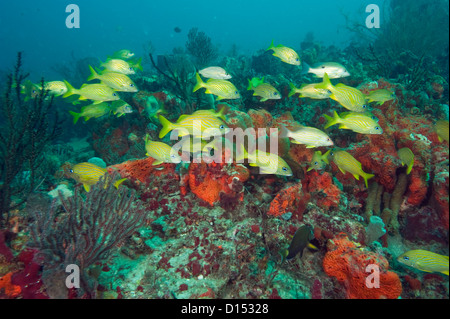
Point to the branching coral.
(179, 74)
(200, 47)
(87, 231)
(24, 134)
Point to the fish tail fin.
(326, 84)
(138, 64)
(199, 84)
(70, 90)
(76, 116)
(250, 85)
(271, 46)
(331, 120)
(118, 182)
(241, 153)
(445, 272)
(94, 74)
(305, 68)
(325, 157)
(293, 89)
(284, 132)
(366, 177)
(167, 126)
(410, 166)
(284, 253)
(221, 113)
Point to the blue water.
(38, 27)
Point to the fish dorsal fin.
(182, 117)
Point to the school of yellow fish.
(203, 124)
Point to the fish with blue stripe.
(425, 260)
(89, 174)
(161, 152)
(347, 96)
(347, 163)
(357, 122)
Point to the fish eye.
(70, 170)
(236, 92)
(222, 127)
(406, 258)
(284, 169)
(364, 106)
(316, 163)
(172, 156)
(323, 66)
(114, 94)
(275, 93)
(131, 69)
(377, 128)
(131, 84)
(296, 59)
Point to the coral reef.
(348, 265)
(210, 229)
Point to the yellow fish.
(333, 69)
(223, 89)
(30, 90)
(208, 113)
(425, 261)
(195, 145)
(310, 136)
(215, 72)
(441, 127)
(318, 161)
(117, 81)
(268, 163)
(161, 152)
(347, 163)
(349, 97)
(90, 111)
(285, 54)
(55, 87)
(117, 66)
(380, 96)
(407, 158)
(123, 54)
(357, 122)
(310, 90)
(135, 63)
(120, 108)
(265, 91)
(196, 125)
(89, 174)
(97, 92)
